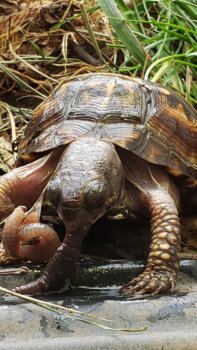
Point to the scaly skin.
(62, 266)
(163, 259)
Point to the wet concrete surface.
(170, 319)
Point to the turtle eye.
(94, 194)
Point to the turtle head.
(87, 198)
(88, 183)
(89, 194)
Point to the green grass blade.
(124, 31)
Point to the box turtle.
(103, 144)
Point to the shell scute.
(152, 121)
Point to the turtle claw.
(150, 282)
(37, 287)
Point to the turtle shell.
(153, 122)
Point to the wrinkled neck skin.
(89, 181)
(24, 185)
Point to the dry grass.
(41, 44)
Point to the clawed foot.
(150, 282)
(41, 286)
(37, 287)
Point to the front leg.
(60, 267)
(163, 259)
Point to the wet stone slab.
(170, 319)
